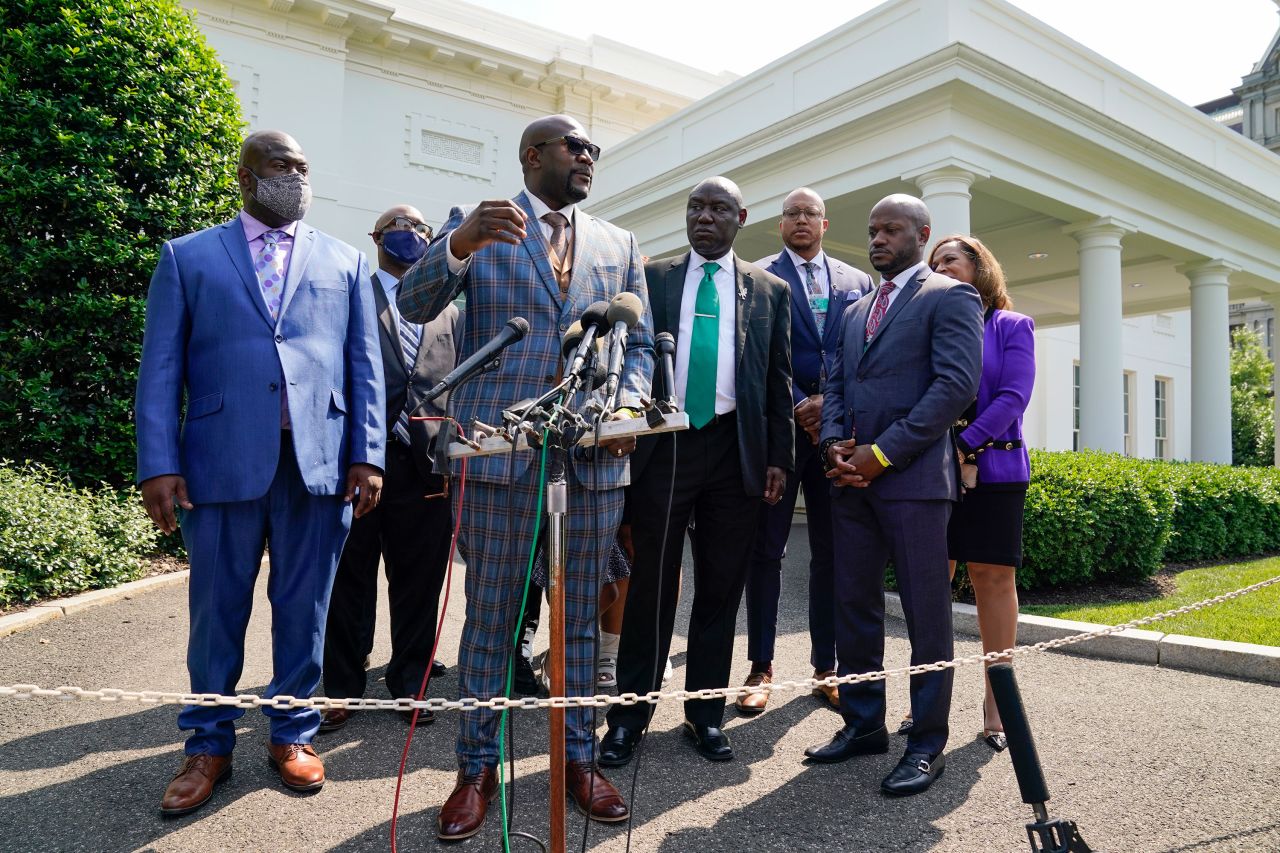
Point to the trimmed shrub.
(57, 540)
(120, 130)
(1252, 411)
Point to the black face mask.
(287, 196)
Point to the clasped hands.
(852, 464)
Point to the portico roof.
(1051, 134)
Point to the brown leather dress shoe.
(335, 718)
(593, 794)
(754, 703)
(463, 813)
(192, 786)
(300, 768)
(830, 693)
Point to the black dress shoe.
(525, 682)
(438, 669)
(847, 743)
(617, 746)
(914, 774)
(711, 743)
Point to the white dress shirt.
(726, 358)
(540, 210)
(819, 271)
(391, 287)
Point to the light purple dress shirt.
(253, 231)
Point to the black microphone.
(625, 311)
(665, 342)
(569, 344)
(1022, 749)
(593, 320)
(516, 328)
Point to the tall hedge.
(119, 130)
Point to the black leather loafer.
(617, 746)
(913, 775)
(847, 743)
(711, 743)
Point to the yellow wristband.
(884, 460)
(630, 412)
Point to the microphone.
(569, 344)
(625, 311)
(593, 320)
(516, 328)
(1022, 749)
(665, 343)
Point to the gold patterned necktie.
(559, 243)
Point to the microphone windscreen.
(519, 325)
(570, 339)
(597, 314)
(665, 343)
(626, 308)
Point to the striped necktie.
(410, 338)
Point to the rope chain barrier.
(209, 700)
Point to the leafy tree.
(120, 130)
(1252, 424)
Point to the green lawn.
(1253, 618)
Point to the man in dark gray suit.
(822, 287)
(909, 361)
(410, 530)
(732, 324)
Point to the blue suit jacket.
(210, 336)
(904, 389)
(812, 354)
(504, 281)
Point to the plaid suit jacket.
(503, 281)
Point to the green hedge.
(1095, 515)
(56, 540)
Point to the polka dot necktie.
(269, 267)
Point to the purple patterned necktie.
(879, 309)
(269, 267)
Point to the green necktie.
(704, 348)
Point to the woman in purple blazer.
(986, 526)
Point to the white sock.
(609, 644)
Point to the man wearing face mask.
(266, 327)
(409, 530)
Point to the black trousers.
(411, 535)
(707, 488)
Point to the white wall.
(1154, 345)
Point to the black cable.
(657, 620)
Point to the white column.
(1273, 300)
(1210, 361)
(944, 188)
(1101, 333)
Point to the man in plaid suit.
(539, 257)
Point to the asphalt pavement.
(1142, 758)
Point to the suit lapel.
(786, 270)
(238, 249)
(842, 295)
(388, 321)
(675, 277)
(536, 245)
(744, 292)
(858, 326)
(304, 240)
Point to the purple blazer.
(1008, 374)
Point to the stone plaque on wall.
(444, 146)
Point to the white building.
(1114, 207)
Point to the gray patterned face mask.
(287, 196)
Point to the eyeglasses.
(575, 145)
(404, 223)
(794, 213)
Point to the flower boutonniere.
(742, 292)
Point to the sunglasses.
(575, 145)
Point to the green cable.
(524, 599)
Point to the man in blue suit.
(908, 364)
(267, 329)
(821, 288)
(541, 257)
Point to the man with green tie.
(732, 325)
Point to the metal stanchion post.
(557, 509)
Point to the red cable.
(444, 608)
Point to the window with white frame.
(1075, 406)
(1127, 376)
(1163, 445)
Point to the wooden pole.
(557, 498)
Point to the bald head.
(897, 233)
(721, 184)
(547, 127)
(803, 223)
(555, 171)
(271, 156)
(404, 210)
(398, 238)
